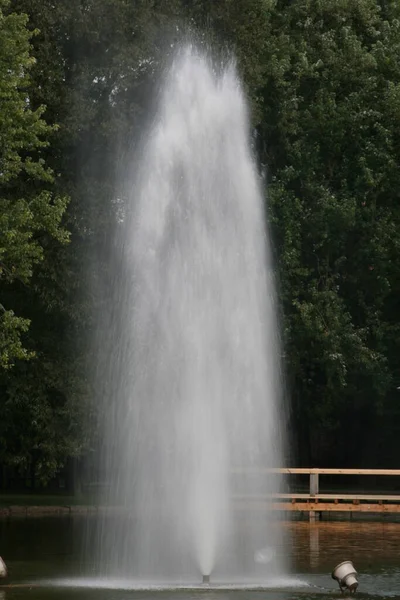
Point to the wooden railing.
(315, 502)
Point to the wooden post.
(314, 484)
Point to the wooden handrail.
(314, 503)
(314, 471)
(314, 479)
(303, 496)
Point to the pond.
(45, 560)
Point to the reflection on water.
(58, 549)
(314, 545)
(318, 547)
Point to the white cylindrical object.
(351, 582)
(3, 568)
(346, 575)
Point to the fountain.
(189, 362)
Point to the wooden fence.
(316, 502)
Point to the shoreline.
(55, 511)
(48, 510)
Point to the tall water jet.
(190, 352)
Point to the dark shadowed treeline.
(77, 81)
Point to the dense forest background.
(323, 82)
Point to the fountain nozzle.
(206, 579)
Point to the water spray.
(186, 312)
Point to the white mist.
(192, 351)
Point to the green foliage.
(94, 63)
(42, 417)
(28, 209)
(331, 144)
(11, 328)
(323, 78)
(31, 215)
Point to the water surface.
(51, 559)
